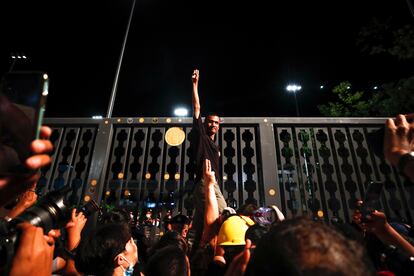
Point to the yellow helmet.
(233, 230)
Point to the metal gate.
(306, 166)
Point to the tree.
(349, 103)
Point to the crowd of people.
(217, 240)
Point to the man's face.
(182, 229)
(212, 124)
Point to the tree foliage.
(349, 103)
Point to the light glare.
(293, 88)
(181, 112)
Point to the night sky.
(247, 52)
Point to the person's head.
(301, 246)
(168, 239)
(231, 236)
(212, 123)
(168, 261)
(255, 233)
(181, 224)
(116, 216)
(110, 247)
(247, 209)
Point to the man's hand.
(12, 186)
(35, 252)
(376, 223)
(399, 137)
(74, 229)
(208, 175)
(239, 264)
(40, 147)
(196, 101)
(195, 76)
(26, 200)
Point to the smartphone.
(371, 200)
(375, 141)
(22, 104)
(89, 208)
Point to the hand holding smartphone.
(22, 103)
(371, 199)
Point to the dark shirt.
(204, 148)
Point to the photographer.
(399, 144)
(35, 251)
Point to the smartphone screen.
(372, 199)
(22, 103)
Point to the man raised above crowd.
(204, 135)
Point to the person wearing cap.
(231, 241)
(180, 224)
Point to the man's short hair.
(96, 253)
(168, 261)
(211, 114)
(116, 216)
(180, 219)
(171, 238)
(301, 246)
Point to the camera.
(51, 212)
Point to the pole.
(12, 65)
(115, 86)
(296, 103)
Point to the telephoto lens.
(51, 212)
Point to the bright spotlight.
(321, 87)
(181, 112)
(293, 88)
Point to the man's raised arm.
(196, 101)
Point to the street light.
(294, 88)
(15, 57)
(181, 111)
